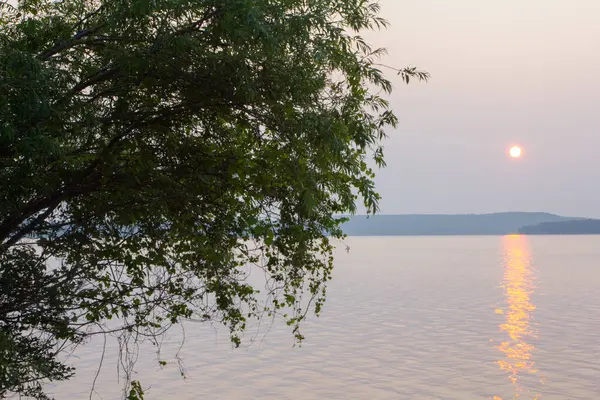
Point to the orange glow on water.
(518, 284)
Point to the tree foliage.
(156, 148)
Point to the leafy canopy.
(156, 148)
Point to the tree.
(156, 148)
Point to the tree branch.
(63, 45)
(51, 201)
(100, 76)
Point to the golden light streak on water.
(518, 284)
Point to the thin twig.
(93, 389)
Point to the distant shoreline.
(506, 223)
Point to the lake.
(473, 317)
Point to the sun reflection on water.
(518, 284)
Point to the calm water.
(406, 318)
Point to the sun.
(515, 152)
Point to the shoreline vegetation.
(143, 143)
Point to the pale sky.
(503, 72)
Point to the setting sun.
(515, 152)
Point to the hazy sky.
(503, 72)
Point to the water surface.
(406, 318)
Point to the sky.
(508, 72)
